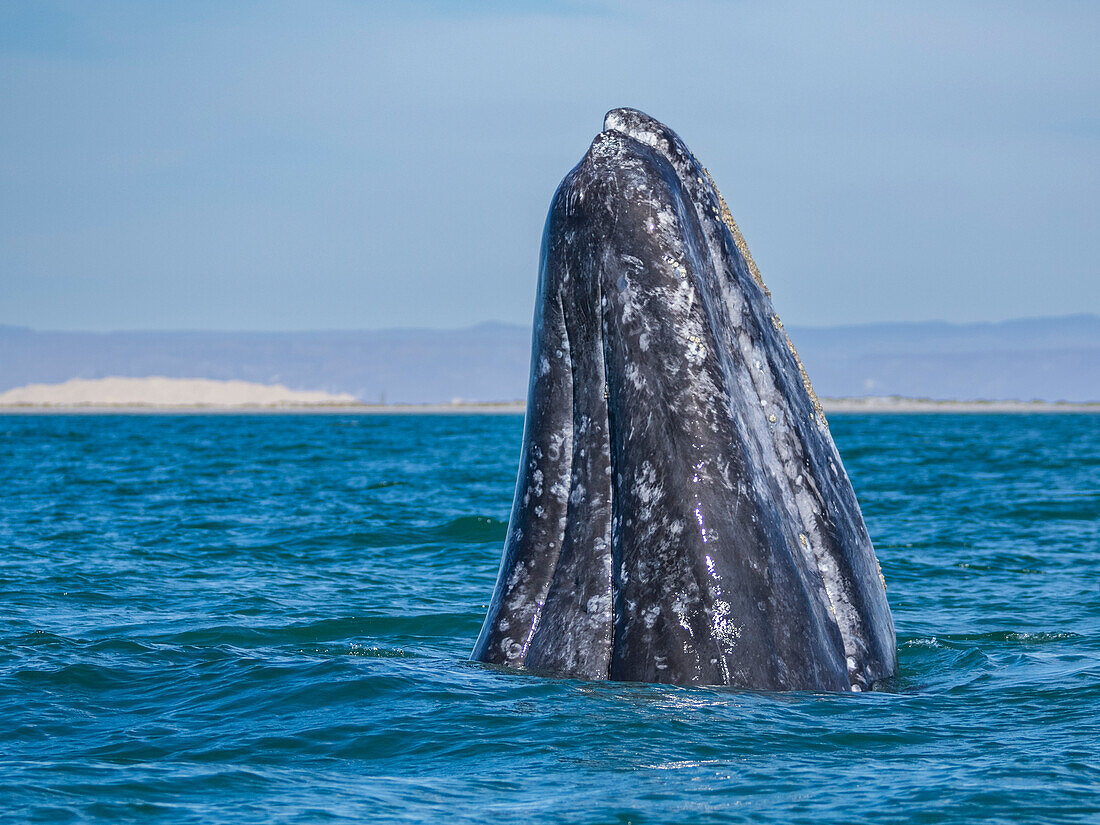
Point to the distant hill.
(1053, 359)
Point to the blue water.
(267, 619)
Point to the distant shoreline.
(832, 406)
(896, 404)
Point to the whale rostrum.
(681, 513)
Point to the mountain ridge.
(1052, 359)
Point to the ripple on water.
(268, 618)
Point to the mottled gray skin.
(681, 513)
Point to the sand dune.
(165, 392)
(202, 394)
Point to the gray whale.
(681, 513)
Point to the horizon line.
(9, 328)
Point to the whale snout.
(681, 512)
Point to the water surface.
(267, 618)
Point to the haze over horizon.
(864, 325)
(242, 167)
(1055, 359)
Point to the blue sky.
(367, 164)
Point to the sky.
(360, 165)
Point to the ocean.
(268, 619)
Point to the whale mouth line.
(681, 512)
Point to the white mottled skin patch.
(598, 605)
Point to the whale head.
(681, 512)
